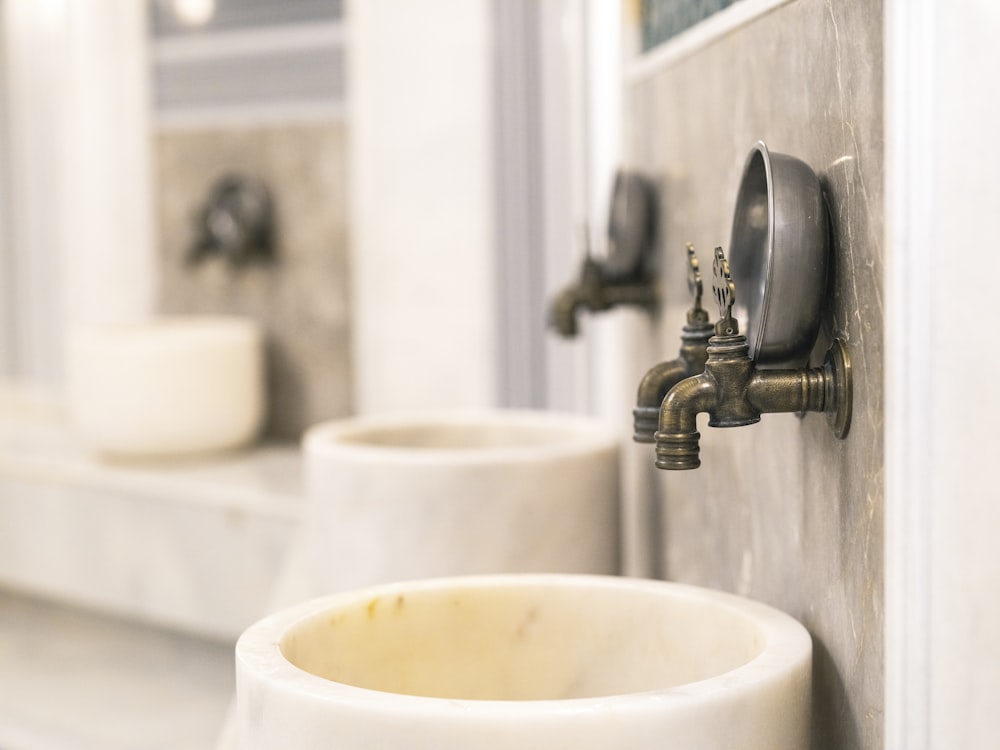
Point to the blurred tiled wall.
(302, 298)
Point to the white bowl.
(519, 662)
(168, 386)
(451, 493)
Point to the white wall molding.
(250, 76)
(942, 506)
(268, 40)
(908, 384)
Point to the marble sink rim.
(582, 435)
(788, 647)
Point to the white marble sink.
(522, 662)
(168, 386)
(402, 496)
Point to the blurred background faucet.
(626, 276)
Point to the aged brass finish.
(597, 291)
(237, 223)
(656, 383)
(735, 393)
(838, 364)
(626, 276)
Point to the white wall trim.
(271, 40)
(246, 116)
(909, 68)
(6, 249)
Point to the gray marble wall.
(783, 511)
(302, 299)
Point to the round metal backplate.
(779, 257)
(840, 389)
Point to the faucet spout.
(677, 439)
(658, 381)
(562, 313)
(598, 290)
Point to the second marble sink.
(400, 496)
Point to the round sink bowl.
(524, 662)
(167, 386)
(452, 493)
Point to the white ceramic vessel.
(423, 495)
(167, 386)
(519, 662)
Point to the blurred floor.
(75, 679)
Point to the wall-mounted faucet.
(656, 383)
(734, 392)
(236, 223)
(627, 275)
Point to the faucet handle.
(694, 277)
(725, 294)
(696, 316)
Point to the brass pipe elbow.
(653, 388)
(562, 313)
(677, 444)
(658, 381)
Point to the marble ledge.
(195, 545)
(265, 478)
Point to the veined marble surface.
(451, 492)
(71, 680)
(783, 511)
(525, 662)
(302, 300)
(193, 544)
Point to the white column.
(35, 76)
(942, 505)
(108, 258)
(419, 110)
(78, 174)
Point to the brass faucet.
(598, 290)
(626, 276)
(735, 393)
(656, 383)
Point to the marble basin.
(521, 662)
(424, 495)
(167, 386)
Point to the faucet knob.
(725, 294)
(696, 316)
(694, 277)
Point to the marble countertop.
(37, 443)
(196, 544)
